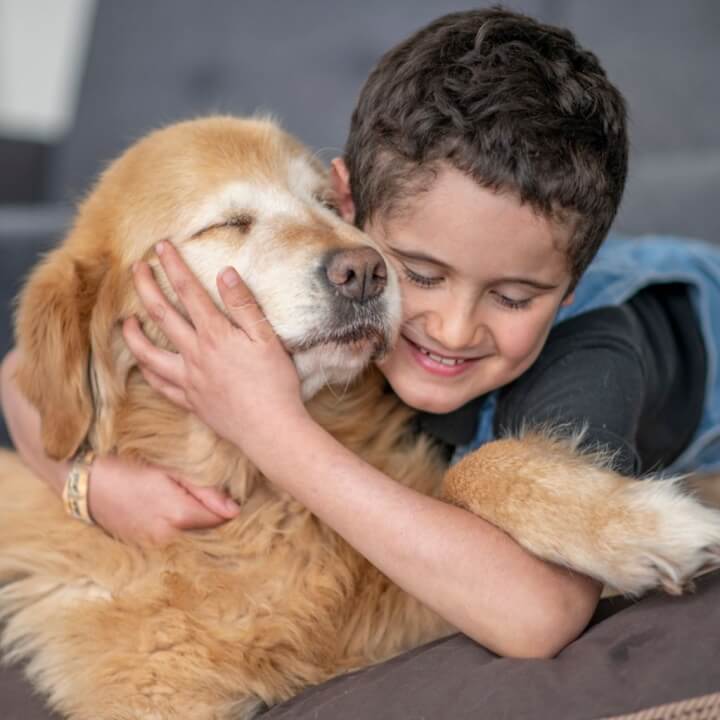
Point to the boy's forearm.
(23, 422)
(464, 568)
(467, 570)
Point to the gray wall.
(153, 62)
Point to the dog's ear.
(52, 328)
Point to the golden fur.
(223, 621)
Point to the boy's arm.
(137, 503)
(467, 570)
(23, 423)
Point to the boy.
(487, 157)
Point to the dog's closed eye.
(242, 221)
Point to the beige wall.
(42, 48)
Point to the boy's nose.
(455, 331)
(359, 274)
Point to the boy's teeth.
(443, 360)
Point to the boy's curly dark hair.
(517, 105)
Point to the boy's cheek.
(521, 348)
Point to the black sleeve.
(632, 374)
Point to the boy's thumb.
(241, 303)
(234, 290)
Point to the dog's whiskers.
(348, 380)
(327, 382)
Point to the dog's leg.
(572, 509)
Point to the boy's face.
(482, 278)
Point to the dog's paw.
(573, 509)
(657, 537)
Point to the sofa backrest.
(154, 62)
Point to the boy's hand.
(142, 505)
(139, 504)
(235, 376)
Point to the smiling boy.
(483, 279)
(487, 158)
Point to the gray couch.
(154, 62)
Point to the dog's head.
(226, 191)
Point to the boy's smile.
(482, 278)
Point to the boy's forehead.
(458, 222)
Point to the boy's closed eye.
(511, 303)
(424, 281)
(428, 282)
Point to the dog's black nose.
(359, 274)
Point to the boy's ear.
(340, 180)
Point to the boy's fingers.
(199, 517)
(172, 392)
(189, 513)
(172, 323)
(192, 294)
(213, 499)
(166, 365)
(242, 306)
(160, 534)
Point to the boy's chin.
(430, 402)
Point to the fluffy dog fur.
(226, 620)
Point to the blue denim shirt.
(622, 267)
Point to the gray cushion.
(657, 651)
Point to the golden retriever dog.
(224, 621)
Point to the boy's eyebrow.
(528, 281)
(423, 257)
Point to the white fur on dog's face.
(277, 233)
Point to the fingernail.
(160, 247)
(230, 277)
